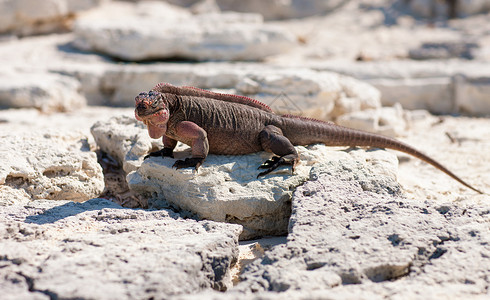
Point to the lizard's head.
(150, 108)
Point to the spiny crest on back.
(193, 91)
(307, 119)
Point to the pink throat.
(156, 123)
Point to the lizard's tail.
(312, 131)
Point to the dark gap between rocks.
(116, 188)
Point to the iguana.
(233, 125)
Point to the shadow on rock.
(68, 209)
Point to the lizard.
(227, 124)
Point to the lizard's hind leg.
(272, 140)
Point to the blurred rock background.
(430, 55)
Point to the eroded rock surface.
(98, 249)
(354, 234)
(51, 166)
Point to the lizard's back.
(232, 128)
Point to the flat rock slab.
(28, 17)
(47, 92)
(47, 165)
(355, 235)
(226, 188)
(99, 250)
(140, 33)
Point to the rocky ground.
(83, 216)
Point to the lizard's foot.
(164, 152)
(276, 161)
(193, 162)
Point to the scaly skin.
(233, 125)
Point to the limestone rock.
(100, 250)
(172, 34)
(437, 86)
(28, 17)
(48, 166)
(444, 50)
(125, 139)
(388, 121)
(320, 95)
(433, 94)
(226, 189)
(275, 9)
(44, 91)
(472, 95)
(356, 235)
(432, 8)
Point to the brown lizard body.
(233, 125)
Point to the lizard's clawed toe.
(164, 152)
(193, 162)
(271, 165)
(276, 161)
(270, 162)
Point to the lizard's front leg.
(167, 150)
(189, 131)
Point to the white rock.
(279, 9)
(388, 121)
(298, 92)
(356, 96)
(353, 235)
(100, 250)
(48, 166)
(124, 139)
(27, 17)
(11, 195)
(212, 36)
(205, 6)
(433, 94)
(226, 189)
(320, 95)
(45, 91)
(472, 95)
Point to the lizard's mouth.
(144, 110)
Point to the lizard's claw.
(193, 162)
(164, 152)
(276, 161)
(269, 163)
